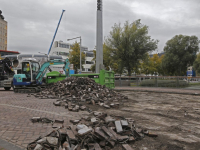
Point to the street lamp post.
(80, 51)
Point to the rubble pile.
(77, 90)
(98, 131)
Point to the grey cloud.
(32, 23)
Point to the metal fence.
(157, 81)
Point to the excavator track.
(27, 89)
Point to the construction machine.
(31, 78)
(6, 73)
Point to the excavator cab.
(30, 69)
(26, 70)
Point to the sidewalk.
(17, 109)
(8, 146)
(159, 90)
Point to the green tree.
(180, 52)
(145, 64)
(74, 57)
(130, 43)
(160, 69)
(107, 58)
(109, 61)
(196, 64)
(156, 64)
(152, 65)
(94, 59)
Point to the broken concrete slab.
(124, 123)
(84, 131)
(38, 147)
(71, 134)
(109, 119)
(108, 133)
(36, 119)
(52, 140)
(127, 147)
(74, 121)
(118, 126)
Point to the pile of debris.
(98, 131)
(79, 89)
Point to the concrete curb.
(8, 146)
(169, 92)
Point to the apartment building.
(3, 32)
(61, 48)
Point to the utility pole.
(80, 56)
(99, 37)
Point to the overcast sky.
(32, 23)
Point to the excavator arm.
(46, 65)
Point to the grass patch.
(194, 83)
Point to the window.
(64, 45)
(35, 67)
(25, 68)
(89, 62)
(63, 53)
(89, 54)
(84, 49)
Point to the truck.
(6, 74)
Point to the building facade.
(3, 32)
(63, 49)
(89, 61)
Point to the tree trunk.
(129, 71)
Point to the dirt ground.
(174, 117)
